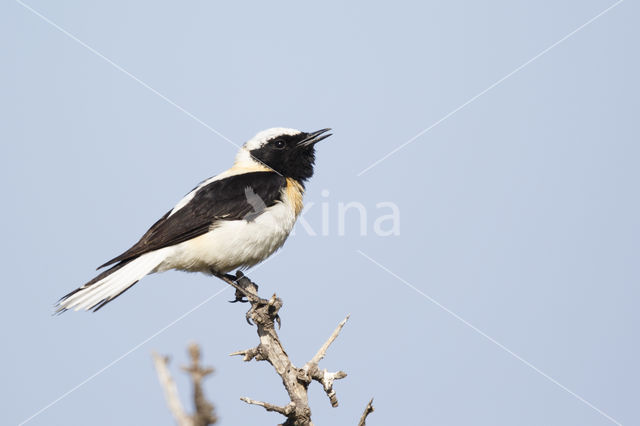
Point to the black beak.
(314, 137)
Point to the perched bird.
(233, 220)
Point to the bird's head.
(289, 152)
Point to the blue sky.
(509, 294)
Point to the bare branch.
(249, 354)
(170, 390)
(285, 411)
(327, 379)
(323, 350)
(264, 314)
(324, 377)
(368, 410)
(204, 414)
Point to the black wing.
(236, 197)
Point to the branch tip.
(170, 390)
(323, 350)
(367, 410)
(285, 411)
(264, 316)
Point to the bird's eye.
(279, 143)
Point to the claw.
(239, 297)
(246, 291)
(278, 321)
(245, 283)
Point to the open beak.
(314, 137)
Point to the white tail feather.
(115, 283)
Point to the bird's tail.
(110, 283)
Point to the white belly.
(235, 244)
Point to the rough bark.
(264, 315)
(296, 380)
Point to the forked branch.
(264, 314)
(204, 413)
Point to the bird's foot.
(246, 291)
(231, 280)
(247, 288)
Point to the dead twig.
(204, 412)
(264, 314)
(325, 378)
(203, 415)
(170, 390)
(367, 410)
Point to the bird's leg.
(250, 290)
(245, 288)
(244, 282)
(239, 297)
(232, 281)
(258, 302)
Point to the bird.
(233, 220)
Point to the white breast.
(237, 243)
